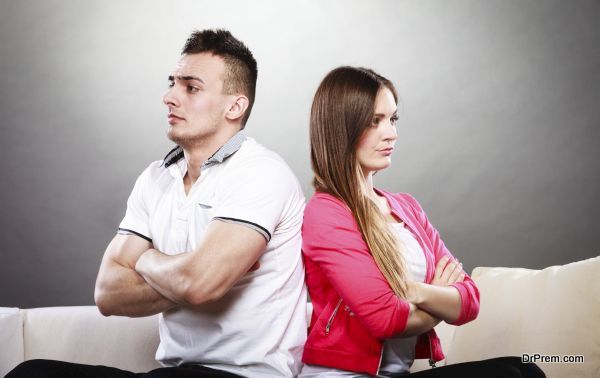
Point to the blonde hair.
(342, 109)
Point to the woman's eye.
(376, 121)
(394, 120)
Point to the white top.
(258, 328)
(398, 353)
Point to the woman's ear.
(237, 108)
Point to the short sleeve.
(256, 192)
(136, 220)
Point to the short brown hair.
(241, 72)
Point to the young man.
(211, 236)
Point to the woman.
(378, 273)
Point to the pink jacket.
(354, 308)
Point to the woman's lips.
(386, 151)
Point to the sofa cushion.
(11, 339)
(554, 311)
(81, 334)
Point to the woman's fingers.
(447, 275)
(447, 272)
(455, 275)
(439, 268)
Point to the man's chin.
(183, 140)
(175, 136)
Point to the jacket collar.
(397, 209)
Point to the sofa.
(549, 312)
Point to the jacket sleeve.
(469, 294)
(332, 240)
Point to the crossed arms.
(137, 280)
(434, 302)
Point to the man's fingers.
(254, 267)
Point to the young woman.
(378, 273)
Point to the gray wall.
(499, 124)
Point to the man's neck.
(199, 153)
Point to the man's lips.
(174, 118)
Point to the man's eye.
(192, 89)
(171, 84)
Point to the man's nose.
(170, 98)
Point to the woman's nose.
(391, 132)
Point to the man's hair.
(241, 70)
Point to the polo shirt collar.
(229, 148)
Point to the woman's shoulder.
(324, 200)
(324, 205)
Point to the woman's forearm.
(440, 301)
(419, 322)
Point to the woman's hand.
(447, 272)
(438, 298)
(412, 292)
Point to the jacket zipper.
(330, 321)
(431, 361)
(380, 359)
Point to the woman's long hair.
(343, 108)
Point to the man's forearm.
(165, 274)
(126, 293)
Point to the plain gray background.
(498, 132)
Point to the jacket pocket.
(332, 317)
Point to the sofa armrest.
(81, 334)
(11, 339)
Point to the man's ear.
(237, 107)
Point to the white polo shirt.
(258, 328)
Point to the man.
(211, 236)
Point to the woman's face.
(376, 145)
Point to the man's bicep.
(125, 249)
(228, 251)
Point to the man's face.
(195, 100)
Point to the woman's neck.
(368, 184)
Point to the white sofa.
(554, 311)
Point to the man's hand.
(120, 290)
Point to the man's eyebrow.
(185, 78)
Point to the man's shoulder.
(254, 158)
(251, 149)
(153, 173)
